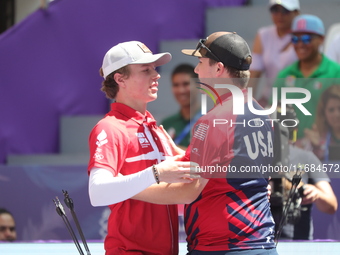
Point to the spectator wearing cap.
(131, 158)
(232, 214)
(313, 71)
(272, 49)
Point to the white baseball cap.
(132, 52)
(290, 5)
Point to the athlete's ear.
(119, 78)
(219, 68)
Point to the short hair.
(184, 68)
(5, 211)
(109, 85)
(240, 78)
(333, 92)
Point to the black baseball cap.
(226, 47)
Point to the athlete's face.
(332, 112)
(204, 69)
(142, 83)
(7, 228)
(307, 50)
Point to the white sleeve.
(257, 62)
(333, 50)
(105, 189)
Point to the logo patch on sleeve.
(101, 138)
(201, 131)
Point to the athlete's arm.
(173, 193)
(106, 189)
(176, 150)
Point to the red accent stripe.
(302, 24)
(244, 213)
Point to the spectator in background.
(314, 186)
(333, 51)
(180, 124)
(272, 49)
(308, 35)
(7, 226)
(325, 135)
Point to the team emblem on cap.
(302, 24)
(144, 48)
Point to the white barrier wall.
(96, 248)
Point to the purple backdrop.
(50, 61)
(27, 192)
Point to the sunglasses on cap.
(201, 45)
(278, 9)
(305, 39)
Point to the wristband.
(155, 173)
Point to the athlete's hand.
(313, 135)
(175, 149)
(172, 171)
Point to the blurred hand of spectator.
(313, 136)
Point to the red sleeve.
(108, 146)
(187, 155)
